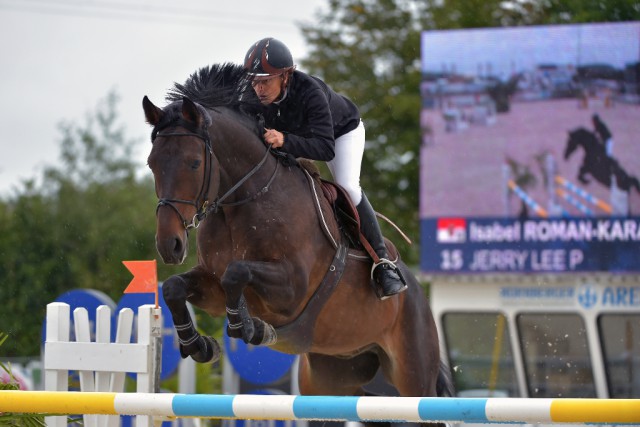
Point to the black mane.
(215, 86)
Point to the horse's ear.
(152, 113)
(192, 114)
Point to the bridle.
(201, 203)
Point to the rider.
(306, 118)
(603, 133)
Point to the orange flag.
(145, 278)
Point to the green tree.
(582, 11)
(370, 51)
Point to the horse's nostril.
(177, 248)
(172, 248)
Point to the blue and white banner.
(553, 245)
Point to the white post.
(87, 379)
(149, 334)
(551, 170)
(58, 323)
(103, 380)
(123, 336)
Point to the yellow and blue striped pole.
(328, 408)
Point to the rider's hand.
(273, 137)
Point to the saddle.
(343, 208)
(348, 219)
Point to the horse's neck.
(593, 145)
(240, 152)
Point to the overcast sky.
(61, 57)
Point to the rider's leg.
(384, 271)
(347, 162)
(345, 168)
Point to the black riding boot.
(384, 273)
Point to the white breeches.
(609, 146)
(345, 166)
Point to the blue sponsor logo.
(587, 296)
(611, 296)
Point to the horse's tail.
(444, 384)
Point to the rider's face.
(268, 90)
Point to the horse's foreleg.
(176, 291)
(271, 281)
(582, 174)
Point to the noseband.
(201, 204)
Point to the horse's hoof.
(265, 333)
(270, 337)
(209, 351)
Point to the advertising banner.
(553, 245)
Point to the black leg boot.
(384, 271)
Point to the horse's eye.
(195, 164)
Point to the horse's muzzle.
(172, 249)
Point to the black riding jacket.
(311, 115)
(602, 129)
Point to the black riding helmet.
(268, 57)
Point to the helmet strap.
(284, 84)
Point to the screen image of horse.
(497, 103)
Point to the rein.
(204, 208)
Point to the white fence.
(102, 364)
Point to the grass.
(9, 418)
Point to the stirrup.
(386, 285)
(381, 262)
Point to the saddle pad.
(338, 197)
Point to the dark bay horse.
(268, 244)
(596, 163)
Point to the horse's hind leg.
(332, 376)
(411, 359)
(198, 288)
(634, 183)
(320, 374)
(582, 174)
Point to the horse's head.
(184, 171)
(572, 144)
